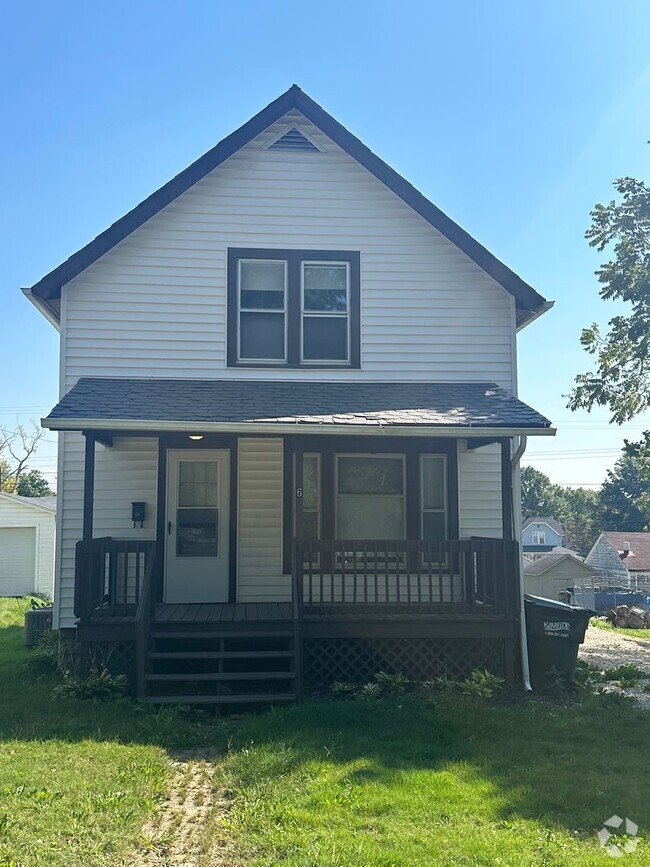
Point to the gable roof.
(638, 560)
(46, 293)
(553, 558)
(48, 504)
(100, 403)
(550, 522)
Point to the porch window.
(433, 497)
(293, 308)
(370, 501)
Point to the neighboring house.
(539, 536)
(621, 557)
(289, 415)
(27, 531)
(552, 573)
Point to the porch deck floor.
(223, 612)
(255, 612)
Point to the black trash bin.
(555, 630)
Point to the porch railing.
(110, 576)
(454, 576)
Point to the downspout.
(516, 519)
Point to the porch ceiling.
(280, 406)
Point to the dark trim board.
(409, 626)
(294, 259)
(528, 302)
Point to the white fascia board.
(43, 308)
(154, 426)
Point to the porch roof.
(285, 405)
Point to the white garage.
(27, 535)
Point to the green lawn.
(626, 633)
(401, 782)
(77, 778)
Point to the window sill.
(266, 365)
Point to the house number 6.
(299, 493)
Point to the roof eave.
(43, 307)
(269, 427)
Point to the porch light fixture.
(196, 436)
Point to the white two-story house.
(289, 426)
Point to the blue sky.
(513, 117)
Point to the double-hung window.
(293, 308)
(539, 537)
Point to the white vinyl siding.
(17, 560)
(259, 555)
(155, 305)
(124, 473)
(17, 523)
(479, 492)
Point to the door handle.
(169, 528)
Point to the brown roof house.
(621, 556)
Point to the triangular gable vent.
(292, 140)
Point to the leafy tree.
(539, 496)
(32, 484)
(621, 496)
(17, 447)
(621, 380)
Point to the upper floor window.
(293, 308)
(539, 537)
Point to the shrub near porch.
(401, 782)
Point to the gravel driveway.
(604, 648)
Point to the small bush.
(46, 659)
(391, 684)
(627, 671)
(481, 684)
(99, 685)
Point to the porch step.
(224, 675)
(221, 654)
(266, 698)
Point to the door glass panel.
(198, 483)
(197, 532)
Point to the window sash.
(381, 498)
(539, 537)
(266, 311)
(324, 314)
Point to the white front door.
(197, 526)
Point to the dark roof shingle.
(470, 405)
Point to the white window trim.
(284, 311)
(445, 490)
(391, 455)
(538, 537)
(344, 362)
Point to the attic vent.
(293, 140)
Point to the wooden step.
(221, 654)
(217, 635)
(224, 675)
(220, 699)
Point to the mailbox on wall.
(137, 513)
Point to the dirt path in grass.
(183, 833)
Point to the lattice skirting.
(117, 657)
(356, 660)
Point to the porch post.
(89, 487)
(506, 490)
